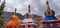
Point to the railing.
(23, 25)
(51, 24)
(12, 27)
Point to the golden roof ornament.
(14, 20)
(15, 11)
(48, 11)
(29, 8)
(14, 16)
(28, 13)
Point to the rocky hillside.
(6, 15)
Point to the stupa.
(49, 14)
(13, 21)
(28, 16)
(50, 20)
(28, 21)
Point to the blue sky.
(37, 6)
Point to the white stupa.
(28, 16)
(28, 20)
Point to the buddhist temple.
(28, 15)
(50, 20)
(28, 21)
(49, 14)
(13, 21)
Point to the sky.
(37, 6)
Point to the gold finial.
(48, 11)
(48, 8)
(47, 2)
(15, 12)
(28, 13)
(28, 8)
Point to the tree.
(1, 12)
(2, 7)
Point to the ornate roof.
(49, 11)
(14, 16)
(28, 13)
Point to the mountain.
(58, 17)
(37, 17)
(6, 15)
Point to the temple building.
(49, 14)
(28, 15)
(13, 21)
(50, 20)
(28, 21)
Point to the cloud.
(55, 4)
(37, 6)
